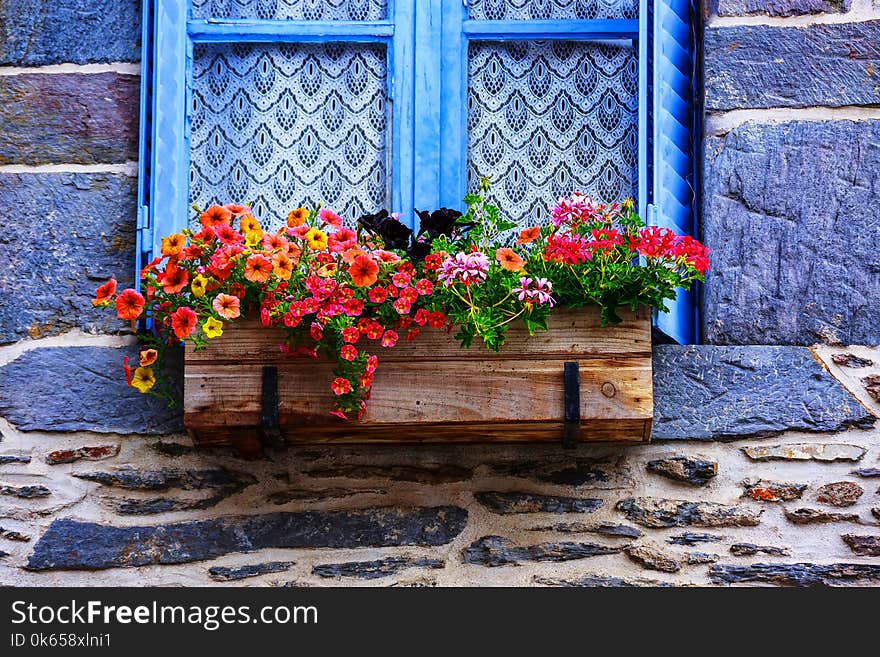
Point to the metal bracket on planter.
(572, 398)
(269, 425)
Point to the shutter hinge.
(144, 232)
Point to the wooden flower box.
(577, 382)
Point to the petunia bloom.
(389, 338)
(143, 379)
(297, 217)
(173, 244)
(183, 321)
(258, 268)
(364, 271)
(174, 279)
(509, 259)
(340, 386)
(212, 327)
(199, 286)
(529, 235)
(215, 215)
(105, 293)
(148, 357)
(282, 266)
(129, 305)
(348, 352)
(330, 218)
(227, 306)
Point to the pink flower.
(331, 218)
(466, 268)
(424, 287)
(402, 306)
(340, 386)
(389, 338)
(574, 210)
(535, 291)
(372, 363)
(342, 240)
(227, 306)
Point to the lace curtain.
(548, 118)
(312, 10)
(287, 124)
(552, 9)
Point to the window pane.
(548, 118)
(278, 125)
(552, 9)
(310, 10)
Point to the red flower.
(421, 317)
(389, 338)
(378, 294)
(340, 386)
(402, 306)
(529, 235)
(354, 307)
(348, 352)
(401, 279)
(128, 370)
(104, 293)
(412, 334)
(424, 287)
(129, 305)
(237, 290)
(409, 294)
(174, 279)
(372, 364)
(364, 271)
(374, 332)
(316, 331)
(228, 235)
(351, 334)
(183, 321)
(215, 215)
(654, 242)
(436, 319)
(434, 261)
(366, 380)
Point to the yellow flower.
(143, 379)
(317, 239)
(250, 224)
(198, 286)
(213, 328)
(297, 217)
(253, 238)
(328, 270)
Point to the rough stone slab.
(87, 453)
(779, 8)
(840, 493)
(655, 512)
(25, 492)
(12, 535)
(823, 452)
(718, 393)
(875, 511)
(652, 558)
(377, 568)
(93, 375)
(861, 472)
(171, 449)
(442, 474)
(792, 268)
(42, 32)
(772, 491)
(590, 472)
(600, 581)
(64, 235)
(605, 529)
(696, 472)
(807, 516)
(71, 544)
(168, 478)
(153, 506)
(227, 574)
(494, 551)
(508, 503)
(872, 386)
(757, 66)
(750, 549)
(7, 459)
(692, 538)
(699, 558)
(69, 118)
(864, 546)
(795, 574)
(851, 360)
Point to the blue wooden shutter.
(672, 175)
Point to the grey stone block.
(779, 7)
(715, 393)
(788, 214)
(63, 235)
(69, 119)
(768, 66)
(42, 32)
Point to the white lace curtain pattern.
(311, 10)
(551, 9)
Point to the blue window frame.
(435, 55)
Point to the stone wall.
(766, 461)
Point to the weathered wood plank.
(572, 333)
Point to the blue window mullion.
(610, 28)
(292, 30)
(401, 95)
(453, 112)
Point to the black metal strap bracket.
(270, 428)
(572, 398)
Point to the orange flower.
(258, 268)
(183, 321)
(297, 217)
(364, 271)
(529, 235)
(174, 279)
(148, 357)
(173, 244)
(283, 266)
(227, 306)
(272, 241)
(215, 215)
(104, 293)
(228, 235)
(509, 260)
(249, 224)
(129, 305)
